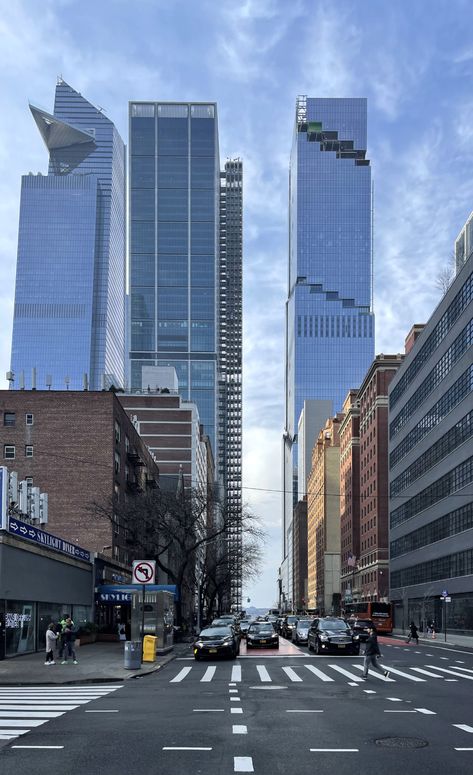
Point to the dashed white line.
(208, 710)
(399, 711)
(235, 699)
(334, 750)
(184, 748)
(304, 711)
(236, 710)
(239, 729)
(426, 712)
(369, 691)
(464, 727)
(101, 711)
(243, 764)
(233, 691)
(455, 749)
(393, 699)
(47, 747)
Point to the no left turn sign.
(144, 571)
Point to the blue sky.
(413, 60)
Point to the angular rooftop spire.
(57, 133)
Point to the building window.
(117, 432)
(29, 450)
(29, 419)
(117, 463)
(9, 419)
(9, 452)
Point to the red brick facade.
(84, 450)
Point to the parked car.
(216, 642)
(288, 626)
(262, 634)
(332, 635)
(360, 627)
(301, 632)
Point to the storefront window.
(20, 626)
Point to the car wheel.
(318, 648)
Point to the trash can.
(149, 648)
(132, 654)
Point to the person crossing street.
(372, 653)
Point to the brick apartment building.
(372, 577)
(323, 520)
(80, 448)
(349, 494)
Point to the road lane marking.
(451, 680)
(464, 727)
(393, 699)
(7, 714)
(184, 748)
(239, 729)
(46, 747)
(291, 674)
(26, 700)
(304, 711)
(406, 675)
(209, 674)
(243, 764)
(370, 691)
(208, 710)
(334, 750)
(426, 712)
(347, 673)
(375, 675)
(318, 673)
(263, 673)
(23, 706)
(426, 672)
(235, 699)
(236, 673)
(455, 749)
(17, 723)
(463, 669)
(181, 675)
(443, 657)
(7, 734)
(452, 672)
(101, 711)
(236, 710)
(399, 711)
(233, 691)
(459, 662)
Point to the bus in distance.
(379, 613)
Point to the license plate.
(212, 651)
(341, 645)
(262, 641)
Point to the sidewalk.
(452, 640)
(98, 663)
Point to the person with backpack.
(413, 634)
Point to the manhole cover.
(401, 742)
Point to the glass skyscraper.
(329, 317)
(69, 314)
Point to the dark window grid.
(448, 319)
(450, 524)
(455, 395)
(453, 438)
(448, 484)
(461, 344)
(451, 566)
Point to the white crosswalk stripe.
(25, 708)
(298, 674)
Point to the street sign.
(144, 571)
(444, 593)
(448, 599)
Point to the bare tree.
(189, 534)
(446, 275)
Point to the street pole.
(143, 586)
(199, 580)
(445, 618)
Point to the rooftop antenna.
(67, 380)
(21, 384)
(33, 378)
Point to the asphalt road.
(266, 713)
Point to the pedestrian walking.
(413, 634)
(372, 654)
(51, 638)
(69, 639)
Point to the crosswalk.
(25, 708)
(327, 672)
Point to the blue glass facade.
(174, 200)
(329, 318)
(69, 315)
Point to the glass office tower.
(69, 314)
(329, 318)
(174, 214)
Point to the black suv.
(332, 635)
(360, 627)
(288, 626)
